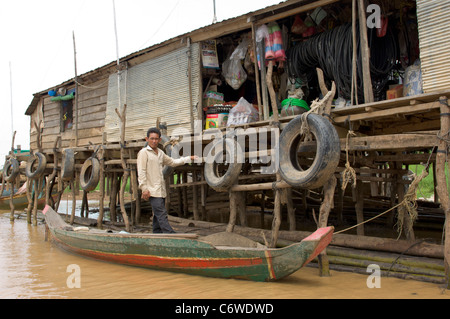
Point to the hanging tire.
(11, 169)
(219, 176)
(68, 164)
(325, 160)
(169, 150)
(90, 174)
(36, 166)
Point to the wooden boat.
(20, 199)
(216, 255)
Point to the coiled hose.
(332, 52)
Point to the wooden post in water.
(11, 203)
(29, 198)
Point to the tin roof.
(214, 30)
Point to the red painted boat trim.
(319, 233)
(166, 262)
(324, 242)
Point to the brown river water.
(31, 268)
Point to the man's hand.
(145, 195)
(194, 157)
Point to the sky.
(37, 50)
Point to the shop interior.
(297, 45)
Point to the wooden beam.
(379, 114)
(390, 142)
(365, 53)
(294, 11)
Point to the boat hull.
(191, 255)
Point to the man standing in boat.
(150, 162)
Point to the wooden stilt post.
(29, 198)
(407, 222)
(263, 208)
(11, 203)
(242, 208)
(195, 196)
(135, 186)
(273, 99)
(37, 189)
(203, 195)
(53, 175)
(359, 207)
(441, 181)
(126, 174)
(287, 200)
(101, 211)
(74, 201)
(340, 208)
(276, 222)
(113, 197)
(365, 53)
(180, 197)
(258, 85)
(84, 204)
(185, 196)
(325, 208)
(233, 211)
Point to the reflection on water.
(33, 268)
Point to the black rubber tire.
(327, 153)
(32, 171)
(224, 182)
(168, 149)
(11, 169)
(90, 174)
(67, 164)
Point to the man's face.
(153, 140)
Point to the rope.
(349, 172)
(317, 107)
(370, 219)
(407, 205)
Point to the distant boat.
(222, 255)
(20, 199)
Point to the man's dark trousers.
(160, 220)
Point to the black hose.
(332, 52)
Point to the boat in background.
(221, 255)
(20, 199)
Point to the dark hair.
(153, 130)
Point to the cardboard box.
(394, 92)
(216, 120)
(211, 97)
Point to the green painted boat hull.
(188, 253)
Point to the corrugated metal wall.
(155, 88)
(434, 38)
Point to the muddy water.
(33, 268)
